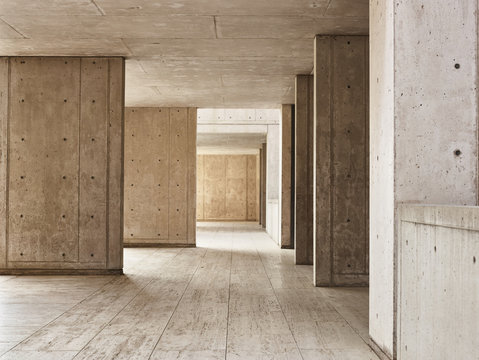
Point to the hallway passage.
(235, 296)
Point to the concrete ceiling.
(204, 53)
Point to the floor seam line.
(279, 303)
(176, 307)
(123, 308)
(63, 313)
(229, 298)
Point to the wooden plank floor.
(235, 296)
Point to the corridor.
(235, 296)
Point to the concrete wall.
(61, 167)
(228, 187)
(423, 127)
(341, 160)
(160, 176)
(438, 282)
(287, 210)
(303, 171)
(273, 183)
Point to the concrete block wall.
(160, 176)
(228, 187)
(438, 286)
(341, 160)
(61, 164)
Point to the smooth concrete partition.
(438, 282)
(303, 161)
(423, 129)
(287, 210)
(341, 161)
(61, 165)
(160, 176)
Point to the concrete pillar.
(341, 112)
(303, 227)
(287, 210)
(423, 128)
(61, 165)
(273, 183)
(263, 186)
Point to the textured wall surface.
(287, 240)
(438, 287)
(341, 160)
(423, 128)
(160, 176)
(303, 227)
(61, 164)
(228, 187)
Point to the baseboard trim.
(20, 272)
(153, 245)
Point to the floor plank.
(235, 296)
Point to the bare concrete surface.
(235, 296)
(341, 165)
(424, 105)
(61, 169)
(186, 52)
(160, 176)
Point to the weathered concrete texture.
(423, 127)
(61, 167)
(198, 53)
(287, 239)
(303, 227)
(438, 268)
(341, 160)
(228, 187)
(160, 176)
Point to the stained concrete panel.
(160, 176)
(231, 187)
(43, 219)
(341, 160)
(303, 227)
(62, 111)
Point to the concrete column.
(423, 128)
(341, 99)
(287, 210)
(61, 165)
(263, 185)
(303, 227)
(273, 183)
